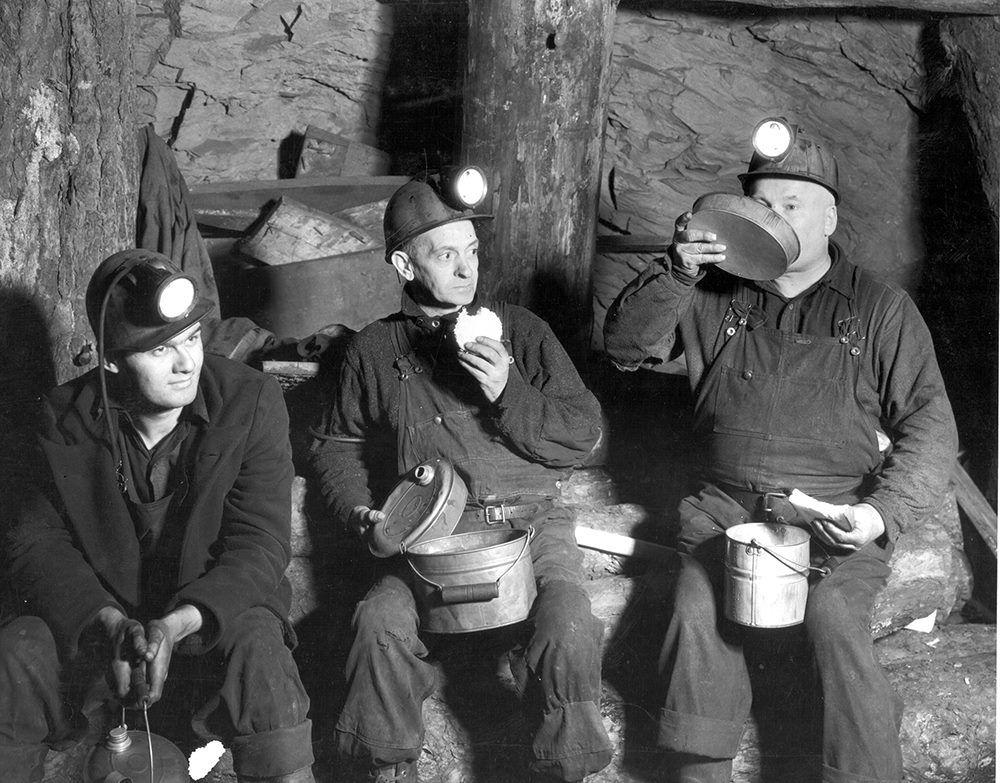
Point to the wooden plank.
(976, 507)
(632, 243)
(621, 545)
(292, 231)
(234, 206)
(949, 7)
(327, 154)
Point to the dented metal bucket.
(473, 581)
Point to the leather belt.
(766, 506)
(499, 513)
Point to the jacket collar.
(430, 323)
(195, 412)
(839, 277)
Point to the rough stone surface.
(236, 88)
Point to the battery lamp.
(773, 138)
(461, 187)
(175, 297)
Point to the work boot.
(303, 775)
(403, 772)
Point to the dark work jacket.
(545, 417)
(898, 382)
(72, 547)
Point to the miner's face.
(165, 377)
(808, 207)
(442, 267)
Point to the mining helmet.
(431, 201)
(785, 150)
(138, 299)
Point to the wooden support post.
(978, 510)
(535, 103)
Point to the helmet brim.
(398, 242)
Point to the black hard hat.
(806, 159)
(147, 300)
(415, 208)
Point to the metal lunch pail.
(473, 581)
(766, 583)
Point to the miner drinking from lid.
(510, 412)
(822, 380)
(154, 537)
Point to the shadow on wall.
(958, 291)
(289, 152)
(27, 371)
(421, 120)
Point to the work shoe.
(403, 772)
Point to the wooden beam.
(233, 206)
(632, 243)
(975, 507)
(536, 87)
(946, 7)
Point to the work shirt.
(545, 414)
(898, 384)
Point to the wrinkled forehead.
(772, 188)
(459, 235)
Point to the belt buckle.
(490, 514)
(768, 510)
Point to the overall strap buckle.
(495, 515)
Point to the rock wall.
(234, 83)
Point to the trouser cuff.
(273, 753)
(572, 742)
(832, 775)
(352, 746)
(698, 735)
(23, 763)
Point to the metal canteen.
(760, 244)
(426, 503)
(124, 757)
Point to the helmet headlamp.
(175, 297)
(782, 149)
(466, 185)
(773, 138)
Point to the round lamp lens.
(772, 138)
(470, 187)
(176, 298)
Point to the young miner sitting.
(513, 417)
(153, 539)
